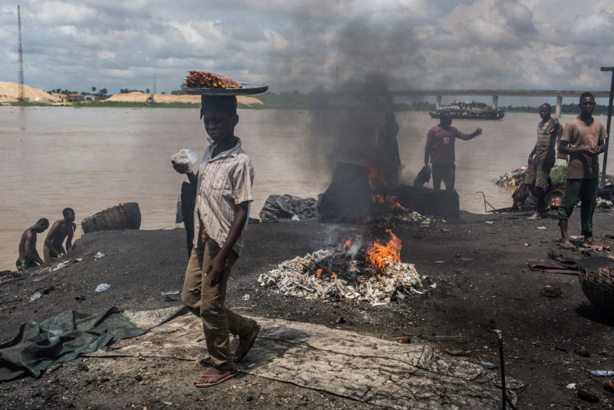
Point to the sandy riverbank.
(479, 264)
(9, 93)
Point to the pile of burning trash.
(512, 178)
(371, 273)
(387, 211)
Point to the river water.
(90, 159)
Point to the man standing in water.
(542, 159)
(440, 149)
(224, 191)
(62, 229)
(28, 255)
(583, 140)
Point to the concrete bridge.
(559, 94)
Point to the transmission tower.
(21, 93)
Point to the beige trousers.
(208, 303)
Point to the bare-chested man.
(62, 229)
(28, 255)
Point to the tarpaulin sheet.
(286, 206)
(61, 339)
(341, 362)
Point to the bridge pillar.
(495, 101)
(438, 103)
(559, 102)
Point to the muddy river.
(90, 159)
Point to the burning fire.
(356, 261)
(377, 181)
(379, 255)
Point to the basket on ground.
(122, 216)
(598, 283)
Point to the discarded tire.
(122, 216)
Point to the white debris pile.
(401, 217)
(290, 278)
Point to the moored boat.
(473, 110)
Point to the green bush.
(558, 174)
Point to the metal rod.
(486, 202)
(503, 395)
(504, 399)
(607, 141)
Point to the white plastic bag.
(186, 156)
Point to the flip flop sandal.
(569, 247)
(217, 379)
(245, 345)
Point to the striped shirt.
(223, 182)
(547, 131)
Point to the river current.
(90, 159)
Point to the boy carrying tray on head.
(224, 191)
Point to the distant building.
(75, 97)
(62, 97)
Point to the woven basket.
(122, 216)
(598, 286)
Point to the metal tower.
(21, 93)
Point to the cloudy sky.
(310, 44)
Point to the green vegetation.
(130, 104)
(565, 109)
(558, 175)
(295, 100)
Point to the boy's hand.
(181, 168)
(216, 268)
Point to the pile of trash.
(402, 216)
(512, 178)
(292, 278)
(287, 206)
(604, 203)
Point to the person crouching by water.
(28, 255)
(440, 149)
(224, 192)
(542, 159)
(60, 230)
(583, 140)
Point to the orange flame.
(376, 178)
(379, 256)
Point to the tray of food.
(203, 83)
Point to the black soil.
(478, 263)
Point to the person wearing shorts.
(542, 159)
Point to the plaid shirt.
(223, 182)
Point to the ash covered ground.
(479, 264)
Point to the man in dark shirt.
(583, 140)
(440, 149)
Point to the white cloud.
(304, 45)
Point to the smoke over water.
(365, 60)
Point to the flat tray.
(248, 89)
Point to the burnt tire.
(553, 199)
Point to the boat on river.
(473, 110)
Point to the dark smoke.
(366, 59)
